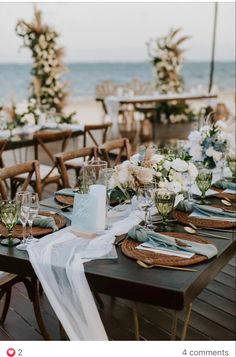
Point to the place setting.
(22, 222)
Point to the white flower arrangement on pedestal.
(46, 86)
(167, 58)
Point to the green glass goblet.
(164, 201)
(204, 181)
(232, 166)
(9, 215)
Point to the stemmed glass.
(33, 212)
(23, 199)
(9, 215)
(145, 202)
(204, 181)
(232, 166)
(164, 200)
(107, 174)
(188, 182)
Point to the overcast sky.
(118, 31)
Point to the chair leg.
(37, 310)
(136, 322)
(6, 306)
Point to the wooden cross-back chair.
(63, 161)
(30, 169)
(48, 173)
(7, 280)
(3, 144)
(90, 130)
(115, 151)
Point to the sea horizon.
(82, 77)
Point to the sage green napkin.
(45, 222)
(185, 206)
(142, 235)
(213, 211)
(225, 185)
(66, 192)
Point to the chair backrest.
(121, 148)
(90, 129)
(61, 158)
(3, 144)
(30, 167)
(41, 138)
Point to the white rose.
(157, 158)
(194, 136)
(179, 165)
(167, 165)
(217, 155)
(196, 152)
(193, 172)
(29, 118)
(210, 151)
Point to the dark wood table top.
(26, 140)
(124, 278)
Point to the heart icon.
(11, 352)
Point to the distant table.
(124, 278)
(26, 140)
(153, 100)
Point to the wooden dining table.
(124, 278)
(26, 140)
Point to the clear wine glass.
(204, 181)
(9, 215)
(188, 183)
(164, 200)
(145, 202)
(23, 199)
(107, 174)
(33, 212)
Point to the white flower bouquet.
(210, 144)
(166, 171)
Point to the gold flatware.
(226, 202)
(198, 231)
(144, 265)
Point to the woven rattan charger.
(65, 200)
(36, 231)
(128, 247)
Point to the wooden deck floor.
(213, 316)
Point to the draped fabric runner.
(58, 262)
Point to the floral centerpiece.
(22, 114)
(210, 144)
(167, 58)
(166, 171)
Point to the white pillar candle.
(99, 191)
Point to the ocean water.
(83, 77)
